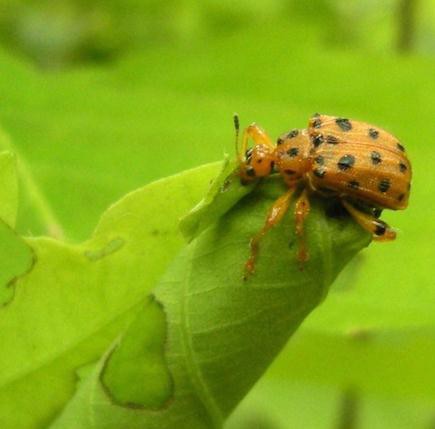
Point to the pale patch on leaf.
(135, 373)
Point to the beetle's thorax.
(292, 155)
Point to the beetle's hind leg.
(276, 213)
(378, 228)
(302, 209)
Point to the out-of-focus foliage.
(56, 33)
(161, 101)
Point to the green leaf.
(8, 188)
(382, 363)
(224, 192)
(222, 332)
(285, 403)
(77, 299)
(16, 258)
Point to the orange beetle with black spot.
(362, 165)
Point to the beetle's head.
(258, 162)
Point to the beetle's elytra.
(361, 164)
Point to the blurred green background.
(102, 97)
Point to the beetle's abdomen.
(359, 160)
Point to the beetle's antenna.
(237, 130)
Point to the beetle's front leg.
(276, 213)
(258, 135)
(302, 209)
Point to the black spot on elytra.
(319, 160)
(374, 134)
(381, 228)
(279, 141)
(400, 147)
(402, 167)
(331, 139)
(289, 172)
(319, 172)
(346, 162)
(353, 184)
(384, 185)
(376, 158)
(317, 140)
(259, 161)
(250, 171)
(292, 152)
(344, 124)
(292, 134)
(400, 197)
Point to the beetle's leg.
(302, 209)
(276, 213)
(258, 135)
(378, 228)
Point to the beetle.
(362, 165)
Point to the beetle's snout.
(259, 162)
